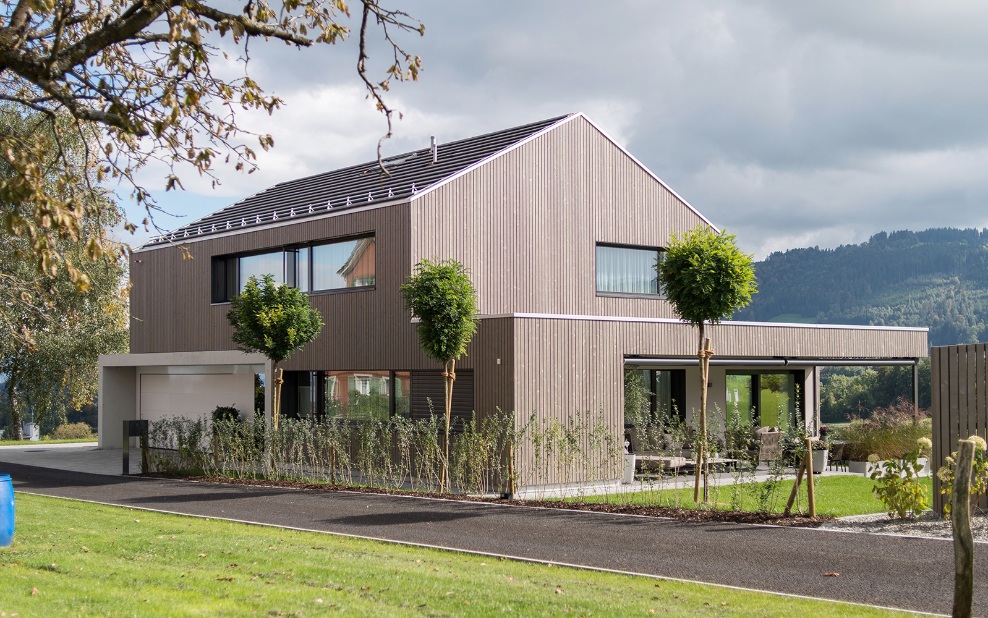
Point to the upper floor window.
(312, 268)
(627, 270)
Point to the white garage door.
(194, 396)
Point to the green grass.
(74, 558)
(837, 496)
(44, 441)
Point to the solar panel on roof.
(407, 174)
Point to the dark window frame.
(225, 269)
(659, 295)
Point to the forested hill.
(937, 278)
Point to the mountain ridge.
(936, 278)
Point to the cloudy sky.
(790, 124)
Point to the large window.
(311, 268)
(771, 399)
(654, 394)
(627, 270)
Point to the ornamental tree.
(151, 81)
(442, 297)
(706, 278)
(275, 320)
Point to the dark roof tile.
(358, 185)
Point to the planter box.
(859, 467)
(819, 460)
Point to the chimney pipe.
(435, 150)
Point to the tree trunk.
(276, 403)
(960, 518)
(449, 376)
(15, 414)
(703, 354)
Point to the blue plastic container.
(6, 510)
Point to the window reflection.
(358, 395)
(346, 264)
(259, 265)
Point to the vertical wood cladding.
(526, 223)
(569, 367)
(960, 403)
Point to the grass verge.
(836, 496)
(74, 558)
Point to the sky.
(789, 124)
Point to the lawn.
(837, 496)
(44, 441)
(75, 558)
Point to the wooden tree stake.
(960, 519)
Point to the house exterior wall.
(526, 224)
(569, 366)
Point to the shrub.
(73, 431)
(889, 432)
(897, 483)
(225, 414)
(979, 474)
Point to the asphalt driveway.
(907, 573)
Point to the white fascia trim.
(617, 318)
(237, 230)
(497, 154)
(650, 173)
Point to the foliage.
(73, 431)
(889, 432)
(441, 295)
(979, 475)
(147, 81)
(637, 398)
(897, 483)
(225, 414)
(936, 278)
(53, 328)
(705, 276)
(84, 558)
(272, 319)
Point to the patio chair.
(838, 456)
(769, 444)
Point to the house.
(560, 229)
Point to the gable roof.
(358, 185)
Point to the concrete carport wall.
(121, 377)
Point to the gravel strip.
(926, 525)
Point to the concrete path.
(907, 573)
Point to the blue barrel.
(6, 510)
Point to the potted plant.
(821, 450)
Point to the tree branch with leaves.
(137, 77)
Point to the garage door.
(194, 396)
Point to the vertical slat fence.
(960, 403)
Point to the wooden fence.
(960, 403)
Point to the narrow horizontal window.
(627, 270)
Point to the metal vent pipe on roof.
(435, 149)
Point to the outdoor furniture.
(838, 455)
(769, 444)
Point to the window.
(659, 393)
(771, 399)
(627, 270)
(323, 267)
(347, 264)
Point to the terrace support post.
(916, 387)
(960, 519)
